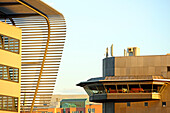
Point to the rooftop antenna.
(107, 52)
(111, 50)
(125, 52)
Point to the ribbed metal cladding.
(34, 40)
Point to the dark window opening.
(168, 68)
(146, 103)
(128, 104)
(163, 104)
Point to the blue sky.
(93, 25)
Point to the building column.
(108, 107)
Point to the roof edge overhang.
(37, 5)
(81, 84)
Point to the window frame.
(14, 40)
(14, 103)
(8, 73)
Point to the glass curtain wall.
(92, 89)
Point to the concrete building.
(132, 83)
(10, 68)
(55, 100)
(37, 58)
(74, 106)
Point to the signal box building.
(132, 84)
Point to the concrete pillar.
(108, 107)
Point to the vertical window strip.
(1, 41)
(9, 44)
(9, 73)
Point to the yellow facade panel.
(9, 88)
(7, 111)
(10, 59)
(10, 31)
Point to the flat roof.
(168, 54)
(70, 100)
(124, 79)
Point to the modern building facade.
(132, 83)
(43, 38)
(74, 106)
(56, 99)
(10, 68)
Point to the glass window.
(146, 88)
(89, 110)
(163, 104)
(122, 88)
(111, 89)
(146, 104)
(8, 103)
(5, 73)
(135, 88)
(9, 44)
(101, 89)
(94, 89)
(93, 110)
(9, 73)
(89, 92)
(156, 88)
(128, 104)
(1, 41)
(168, 68)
